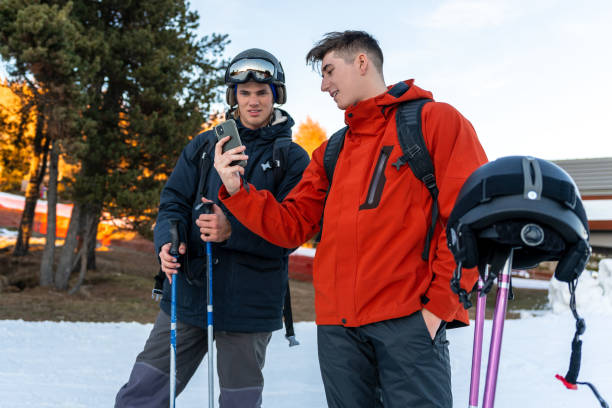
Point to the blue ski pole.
(207, 209)
(174, 245)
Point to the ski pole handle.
(205, 208)
(174, 238)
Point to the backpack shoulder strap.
(416, 155)
(204, 156)
(332, 151)
(330, 158)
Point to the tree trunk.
(89, 222)
(66, 261)
(80, 231)
(89, 231)
(38, 166)
(91, 250)
(46, 265)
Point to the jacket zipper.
(378, 180)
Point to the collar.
(365, 118)
(370, 116)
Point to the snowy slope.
(84, 364)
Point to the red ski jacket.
(368, 265)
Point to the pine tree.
(156, 80)
(41, 43)
(140, 81)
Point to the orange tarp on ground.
(11, 207)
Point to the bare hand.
(214, 227)
(432, 322)
(230, 175)
(169, 264)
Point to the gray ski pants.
(391, 364)
(240, 360)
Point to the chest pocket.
(377, 183)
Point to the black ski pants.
(392, 364)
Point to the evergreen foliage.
(122, 85)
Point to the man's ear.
(362, 63)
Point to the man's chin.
(341, 105)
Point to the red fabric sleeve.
(456, 153)
(290, 223)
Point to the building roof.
(593, 176)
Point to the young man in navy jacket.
(249, 273)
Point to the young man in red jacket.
(382, 310)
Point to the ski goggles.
(257, 69)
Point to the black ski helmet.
(524, 203)
(257, 65)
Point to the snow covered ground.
(76, 365)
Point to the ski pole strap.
(455, 284)
(245, 183)
(288, 317)
(576, 356)
(574, 367)
(158, 289)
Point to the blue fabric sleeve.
(177, 196)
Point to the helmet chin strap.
(570, 379)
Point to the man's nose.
(324, 85)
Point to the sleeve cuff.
(225, 196)
(442, 303)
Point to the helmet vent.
(532, 179)
(532, 235)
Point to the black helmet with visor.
(255, 65)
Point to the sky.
(533, 78)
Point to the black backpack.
(415, 153)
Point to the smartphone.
(228, 128)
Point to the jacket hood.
(397, 94)
(369, 116)
(280, 126)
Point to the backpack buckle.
(429, 180)
(400, 162)
(156, 294)
(270, 164)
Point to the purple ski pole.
(477, 349)
(503, 284)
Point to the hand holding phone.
(228, 128)
(230, 167)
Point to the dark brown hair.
(347, 44)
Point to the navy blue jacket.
(249, 274)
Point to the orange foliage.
(12, 98)
(214, 119)
(310, 135)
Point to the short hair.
(347, 44)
